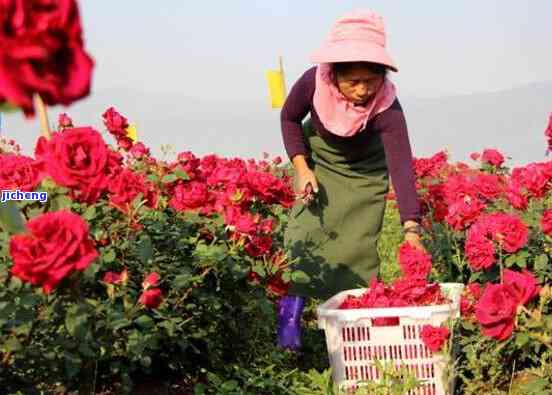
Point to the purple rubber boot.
(290, 309)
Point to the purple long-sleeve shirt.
(390, 123)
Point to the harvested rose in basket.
(404, 292)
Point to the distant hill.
(511, 120)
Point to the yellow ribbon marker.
(277, 86)
(132, 133)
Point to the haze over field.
(472, 74)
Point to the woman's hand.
(303, 177)
(412, 235)
(414, 240)
(306, 185)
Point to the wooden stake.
(40, 108)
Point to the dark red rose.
(57, 244)
(151, 280)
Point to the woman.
(356, 137)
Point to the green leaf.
(90, 213)
(145, 249)
(522, 339)
(8, 107)
(468, 325)
(145, 322)
(181, 174)
(120, 323)
(12, 345)
(61, 202)
(108, 255)
(182, 281)
(300, 277)
(153, 178)
(168, 178)
(541, 263)
(76, 322)
(10, 217)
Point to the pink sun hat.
(356, 37)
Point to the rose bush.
(136, 265)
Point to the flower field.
(139, 271)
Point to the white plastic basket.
(354, 343)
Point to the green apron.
(334, 239)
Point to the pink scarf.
(338, 115)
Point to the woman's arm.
(295, 109)
(394, 134)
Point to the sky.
(215, 54)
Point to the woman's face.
(358, 83)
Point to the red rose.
(434, 337)
(548, 133)
(126, 186)
(139, 150)
(116, 278)
(489, 186)
(191, 195)
(463, 212)
(524, 284)
(515, 196)
(470, 296)
(496, 310)
(258, 246)
(151, 280)
(242, 222)
(115, 123)
(414, 263)
(58, 243)
(64, 121)
(19, 172)
(151, 298)
(41, 50)
(492, 157)
(277, 286)
(79, 159)
(546, 222)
